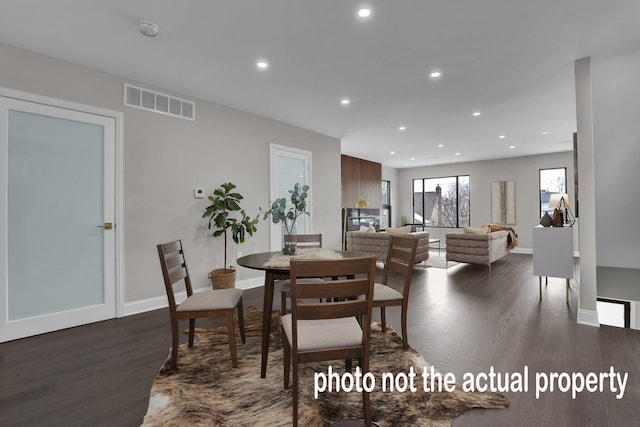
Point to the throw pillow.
(476, 230)
(401, 230)
(367, 229)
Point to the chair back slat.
(304, 240)
(174, 260)
(340, 288)
(401, 258)
(332, 310)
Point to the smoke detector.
(148, 28)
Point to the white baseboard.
(527, 251)
(155, 303)
(588, 317)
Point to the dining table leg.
(269, 283)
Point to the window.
(441, 202)
(552, 181)
(385, 212)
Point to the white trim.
(588, 317)
(119, 187)
(156, 303)
(526, 251)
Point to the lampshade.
(361, 203)
(554, 201)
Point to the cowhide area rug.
(207, 391)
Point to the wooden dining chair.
(209, 303)
(302, 241)
(337, 329)
(401, 258)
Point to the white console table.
(553, 254)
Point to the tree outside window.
(441, 202)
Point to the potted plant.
(224, 202)
(280, 213)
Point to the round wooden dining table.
(272, 273)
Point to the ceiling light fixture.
(148, 28)
(502, 137)
(392, 152)
(413, 159)
(402, 128)
(435, 74)
(546, 132)
(364, 12)
(345, 101)
(263, 65)
(457, 154)
(476, 113)
(440, 145)
(512, 147)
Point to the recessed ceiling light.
(401, 128)
(364, 12)
(262, 64)
(435, 74)
(345, 101)
(512, 146)
(413, 159)
(502, 137)
(476, 113)
(392, 152)
(457, 154)
(546, 132)
(148, 28)
(440, 145)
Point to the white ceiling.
(510, 59)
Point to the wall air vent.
(158, 102)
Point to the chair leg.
(175, 337)
(366, 399)
(241, 321)
(232, 339)
(287, 360)
(403, 321)
(283, 303)
(295, 393)
(383, 319)
(192, 328)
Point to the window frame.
(385, 206)
(566, 186)
(457, 195)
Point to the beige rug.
(207, 391)
(439, 262)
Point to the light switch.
(198, 193)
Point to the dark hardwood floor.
(464, 319)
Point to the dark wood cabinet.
(361, 178)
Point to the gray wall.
(616, 135)
(165, 158)
(523, 170)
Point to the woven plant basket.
(223, 278)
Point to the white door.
(57, 250)
(289, 166)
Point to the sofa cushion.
(399, 231)
(476, 230)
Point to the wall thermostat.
(198, 193)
